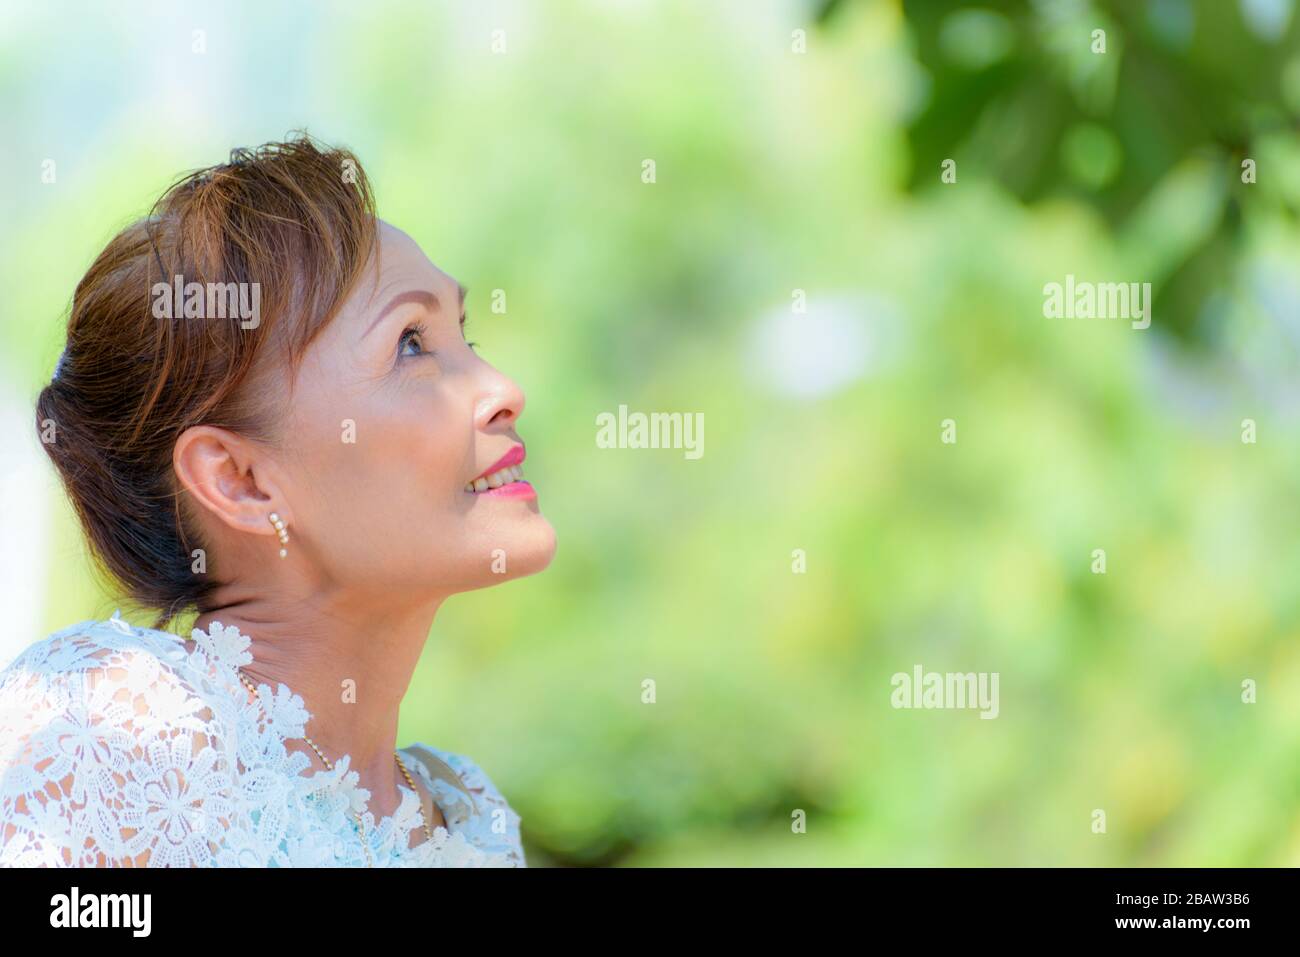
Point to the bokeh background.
(786, 161)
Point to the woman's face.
(393, 417)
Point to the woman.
(266, 416)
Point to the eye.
(412, 341)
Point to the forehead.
(400, 265)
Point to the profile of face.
(397, 465)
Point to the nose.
(502, 404)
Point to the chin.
(529, 552)
(535, 553)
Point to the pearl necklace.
(361, 828)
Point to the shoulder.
(89, 643)
(486, 815)
(105, 728)
(118, 674)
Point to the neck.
(351, 662)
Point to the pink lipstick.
(504, 478)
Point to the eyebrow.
(421, 296)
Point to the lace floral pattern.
(123, 746)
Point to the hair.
(294, 218)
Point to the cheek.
(385, 473)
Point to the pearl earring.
(283, 533)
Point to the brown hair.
(294, 218)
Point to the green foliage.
(1018, 92)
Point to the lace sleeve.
(109, 757)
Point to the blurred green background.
(786, 162)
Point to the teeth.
(497, 479)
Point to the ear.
(231, 477)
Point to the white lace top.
(123, 746)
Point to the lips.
(504, 474)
